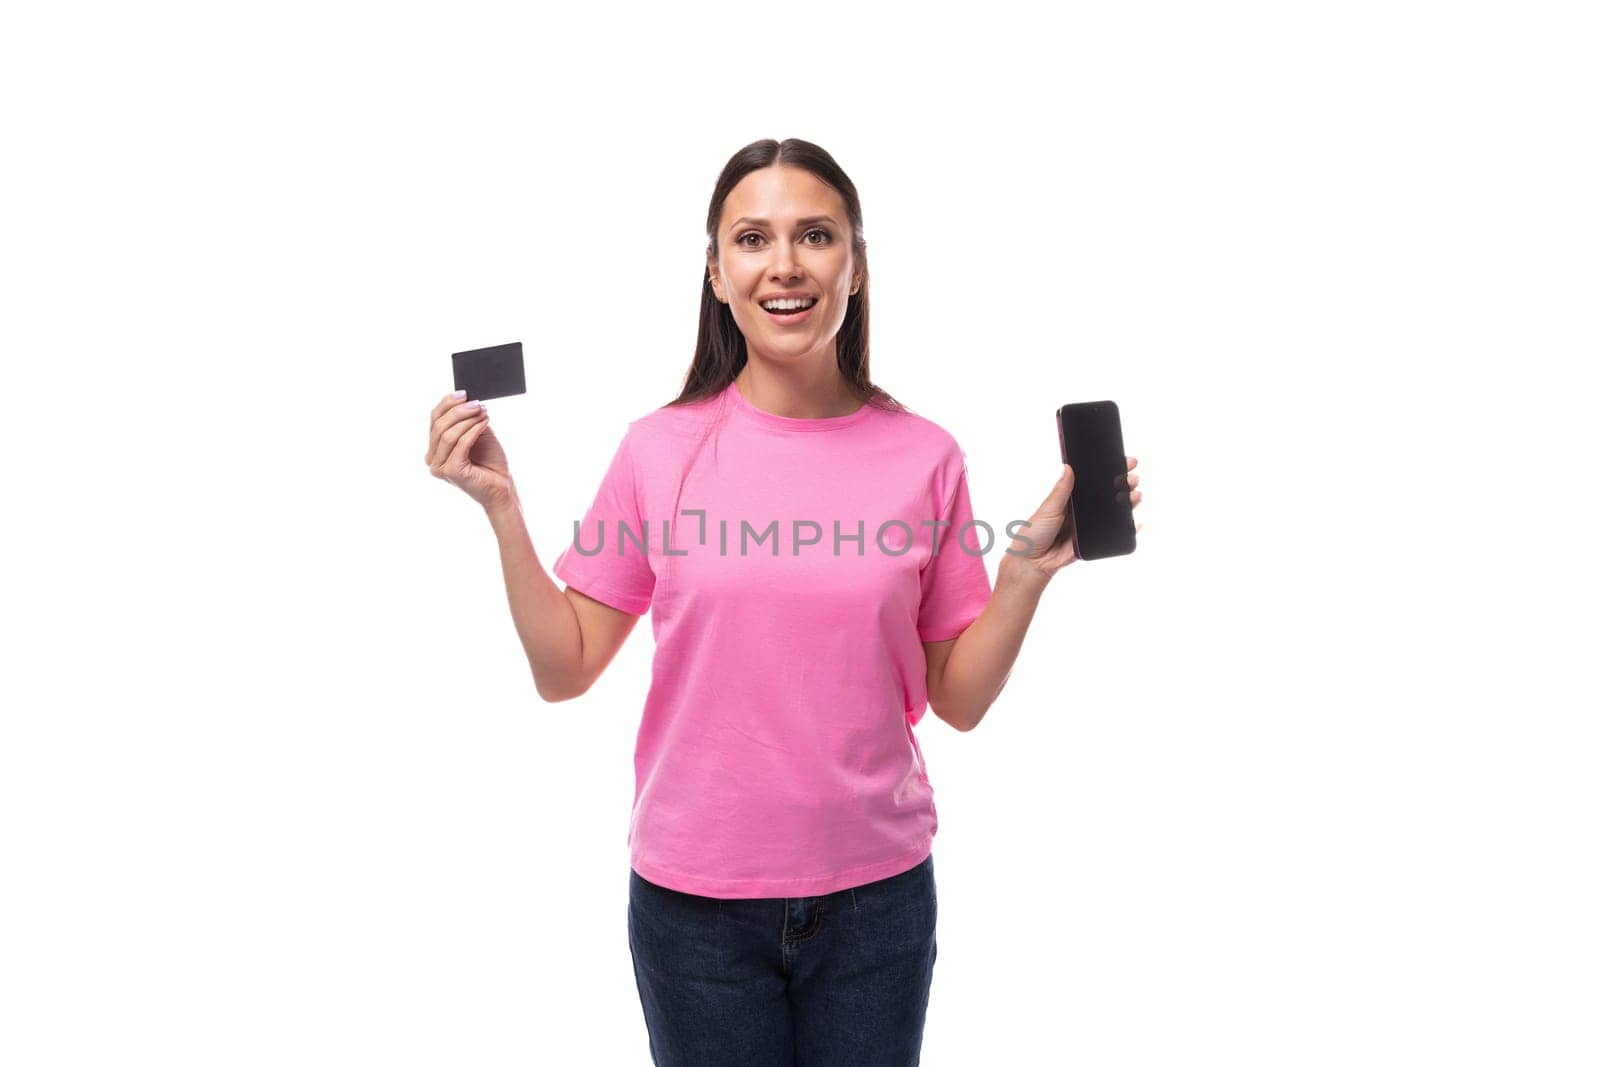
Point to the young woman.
(812, 593)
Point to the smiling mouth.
(789, 312)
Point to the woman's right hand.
(465, 452)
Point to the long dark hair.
(720, 352)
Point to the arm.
(569, 638)
(967, 673)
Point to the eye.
(826, 237)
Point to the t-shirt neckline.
(784, 422)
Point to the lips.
(791, 318)
(787, 294)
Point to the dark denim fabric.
(840, 980)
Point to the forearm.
(981, 659)
(546, 622)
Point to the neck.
(797, 392)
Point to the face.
(783, 230)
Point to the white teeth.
(787, 305)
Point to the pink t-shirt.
(776, 756)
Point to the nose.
(783, 260)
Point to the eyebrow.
(800, 222)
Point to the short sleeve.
(955, 582)
(593, 564)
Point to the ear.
(716, 283)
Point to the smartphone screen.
(1091, 442)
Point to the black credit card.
(486, 373)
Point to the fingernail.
(471, 404)
(461, 394)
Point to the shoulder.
(924, 432)
(935, 445)
(912, 446)
(676, 423)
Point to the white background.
(1308, 779)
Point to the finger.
(457, 461)
(458, 455)
(1138, 526)
(1056, 500)
(439, 448)
(1133, 461)
(446, 434)
(452, 436)
(448, 400)
(1137, 496)
(450, 409)
(1133, 480)
(460, 413)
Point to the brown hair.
(720, 352)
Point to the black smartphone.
(486, 373)
(1102, 513)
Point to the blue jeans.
(786, 981)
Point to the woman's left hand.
(1051, 526)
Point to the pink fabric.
(776, 756)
